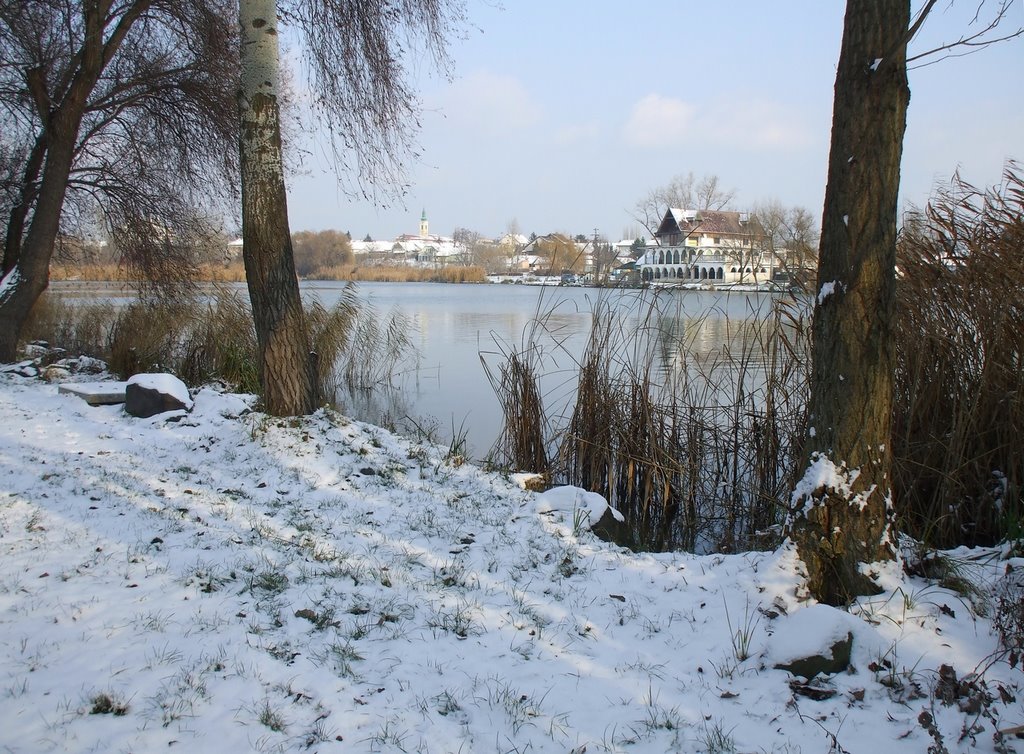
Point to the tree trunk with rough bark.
(27, 267)
(29, 273)
(842, 511)
(287, 367)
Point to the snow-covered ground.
(221, 581)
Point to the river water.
(462, 331)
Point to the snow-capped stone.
(150, 394)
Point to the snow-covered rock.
(150, 394)
(582, 507)
(814, 641)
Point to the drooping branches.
(117, 115)
(361, 58)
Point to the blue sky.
(560, 115)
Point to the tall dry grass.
(958, 438)
(403, 274)
(211, 337)
(704, 457)
(234, 272)
(525, 436)
(78, 328)
(95, 273)
(696, 451)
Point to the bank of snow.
(225, 581)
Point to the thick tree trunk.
(19, 212)
(842, 507)
(30, 274)
(287, 368)
(27, 263)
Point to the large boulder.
(817, 640)
(151, 394)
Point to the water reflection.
(460, 328)
(687, 336)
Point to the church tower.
(424, 225)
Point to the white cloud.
(488, 102)
(658, 121)
(739, 122)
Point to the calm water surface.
(457, 329)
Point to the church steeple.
(424, 225)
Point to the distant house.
(708, 247)
(525, 263)
(513, 241)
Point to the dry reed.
(695, 450)
(211, 337)
(234, 272)
(959, 404)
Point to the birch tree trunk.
(287, 367)
(842, 511)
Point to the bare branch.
(966, 44)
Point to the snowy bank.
(228, 581)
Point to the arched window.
(734, 270)
(645, 273)
(721, 274)
(677, 256)
(679, 273)
(703, 273)
(661, 257)
(657, 273)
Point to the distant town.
(700, 248)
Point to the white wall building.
(707, 247)
(422, 249)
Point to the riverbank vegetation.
(212, 338)
(700, 455)
(234, 272)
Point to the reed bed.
(93, 273)
(403, 274)
(959, 404)
(78, 328)
(202, 339)
(234, 272)
(695, 450)
(702, 457)
(525, 438)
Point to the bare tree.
(315, 251)
(788, 238)
(842, 509)
(121, 106)
(684, 192)
(468, 243)
(558, 253)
